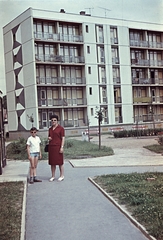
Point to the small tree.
(99, 116)
(31, 118)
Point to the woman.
(56, 143)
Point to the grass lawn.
(142, 195)
(11, 210)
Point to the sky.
(139, 10)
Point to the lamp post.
(2, 139)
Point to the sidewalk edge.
(137, 224)
(23, 212)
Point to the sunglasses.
(53, 120)
(33, 132)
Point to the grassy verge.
(11, 210)
(142, 194)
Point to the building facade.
(74, 64)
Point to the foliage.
(142, 195)
(137, 132)
(11, 210)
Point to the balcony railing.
(115, 60)
(58, 37)
(60, 80)
(148, 118)
(147, 44)
(116, 80)
(147, 81)
(59, 58)
(114, 40)
(117, 100)
(140, 62)
(142, 100)
(62, 102)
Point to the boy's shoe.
(31, 180)
(37, 180)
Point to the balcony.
(140, 62)
(57, 37)
(62, 102)
(116, 80)
(58, 58)
(136, 43)
(145, 44)
(158, 63)
(115, 60)
(114, 41)
(147, 81)
(142, 100)
(61, 80)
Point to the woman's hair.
(33, 129)
(54, 116)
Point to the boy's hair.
(33, 129)
(54, 116)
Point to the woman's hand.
(49, 138)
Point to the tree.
(31, 119)
(99, 116)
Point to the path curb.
(137, 224)
(23, 220)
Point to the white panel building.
(70, 64)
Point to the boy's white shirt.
(34, 144)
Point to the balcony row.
(147, 81)
(146, 44)
(59, 58)
(62, 102)
(61, 80)
(148, 118)
(57, 37)
(149, 100)
(66, 123)
(146, 62)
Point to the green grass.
(73, 149)
(143, 198)
(82, 149)
(11, 210)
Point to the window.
(89, 70)
(88, 49)
(90, 91)
(113, 35)
(86, 28)
(92, 112)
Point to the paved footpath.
(75, 209)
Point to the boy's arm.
(28, 151)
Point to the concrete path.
(75, 208)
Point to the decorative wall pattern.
(17, 66)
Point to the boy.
(34, 152)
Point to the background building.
(71, 64)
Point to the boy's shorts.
(35, 154)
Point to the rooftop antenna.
(89, 10)
(106, 9)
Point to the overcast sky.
(139, 10)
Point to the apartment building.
(73, 64)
